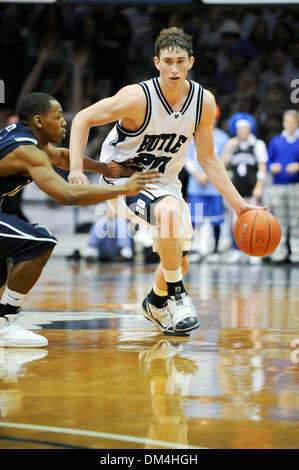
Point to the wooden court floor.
(110, 380)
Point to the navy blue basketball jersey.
(12, 137)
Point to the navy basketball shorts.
(21, 241)
(140, 210)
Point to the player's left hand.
(77, 177)
(118, 170)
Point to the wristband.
(260, 175)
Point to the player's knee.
(168, 210)
(49, 242)
(46, 255)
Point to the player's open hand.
(142, 180)
(77, 177)
(119, 170)
(249, 207)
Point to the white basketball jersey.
(163, 139)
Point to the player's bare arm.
(129, 105)
(210, 162)
(37, 164)
(59, 157)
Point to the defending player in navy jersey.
(155, 121)
(28, 149)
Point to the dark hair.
(173, 38)
(34, 103)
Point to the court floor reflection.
(232, 384)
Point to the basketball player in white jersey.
(156, 120)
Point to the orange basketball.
(257, 232)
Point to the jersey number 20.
(151, 161)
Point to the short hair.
(34, 103)
(292, 113)
(173, 38)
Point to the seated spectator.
(210, 31)
(232, 41)
(205, 69)
(294, 57)
(276, 101)
(259, 34)
(283, 35)
(245, 98)
(142, 48)
(228, 77)
(109, 239)
(51, 69)
(280, 70)
(271, 128)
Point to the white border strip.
(23, 235)
(26, 139)
(101, 435)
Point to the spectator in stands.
(232, 41)
(109, 239)
(280, 70)
(294, 57)
(283, 164)
(50, 70)
(228, 78)
(283, 35)
(246, 157)
(142, 48)
(259, 34)
(210, 32)
(230, 33)
(272, 106)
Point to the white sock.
(173, 276)
(13, 298)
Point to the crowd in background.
(247, 56)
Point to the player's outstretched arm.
(59, 156)
(211, 163)
(37, 163)
(127, 103)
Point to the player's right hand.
(141, 180)
(77, 177)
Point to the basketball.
(257, 232)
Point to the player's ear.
(37, 120)
(191, 62)
(157, 62)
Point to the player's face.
(54, 124)
(173, 65)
